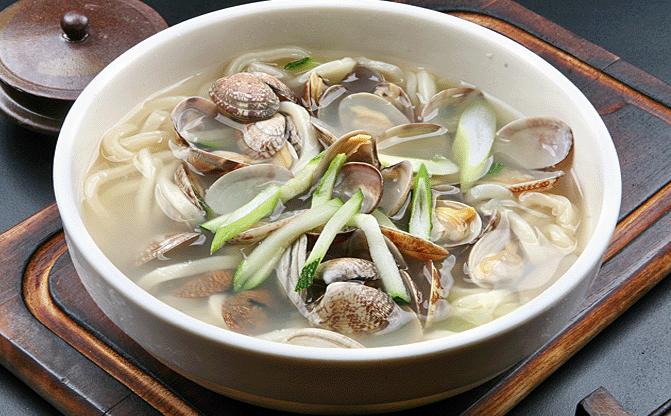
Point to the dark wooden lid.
(50, 50)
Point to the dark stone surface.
(630, 358)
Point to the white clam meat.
(455, 223)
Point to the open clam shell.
(358, 143)
(535, 142)
(496, 258)
(437, 307)
(446, 106)
(396, 96)
(418, 143)
(397, 185)
(240, 186)
(159, 248)
(519, 179)
(414, 246)
(455, 223)
(206, 140)
(312, 337)
(362, 79)
(346, 269)
(356, 176)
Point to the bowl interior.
(454, 48)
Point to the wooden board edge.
(40, 303)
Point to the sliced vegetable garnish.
(256, 268)
(439, 165)
(326, 237)
(495, 169)
(473, 142)
(302, 181)
(383, 219)
(244, 217)
(300, 65)
(325, 186)
(421, 209)
(382, 257)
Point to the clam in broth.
(335, 200)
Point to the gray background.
(632, 358)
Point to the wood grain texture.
(40, 303)
(600, 403)
(67, 341)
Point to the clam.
(362, 79)
(370, 112)
(344, 111)
(206, 284)
(496, 259)
(455, 223)
(283, 92)
(314, 89)
(189, 184)
(418, 143)
(244, 184)
(445, 107)
(249, 312)
(437, 305)
(206, 140)
(324, 134)
(264, 138)
(353, 308)
(248, 96)
(414, 246)
(199, 160)
(396, 96)
(356, 176)
(357, 145)
(397, 181)
(345, 269)
(173, 201)
(519, 179)
(311, 337)
(158, 249)
(535, 142)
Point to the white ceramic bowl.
(331, 380)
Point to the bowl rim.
(88, 249)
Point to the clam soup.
(332, 200)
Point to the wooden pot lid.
(50, 50)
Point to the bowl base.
(332, 409)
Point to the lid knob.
(75, 26)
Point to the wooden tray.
(54, 338)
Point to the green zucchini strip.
(244, 217)
(382, 257)
(421, 209)
(326, 237)
(256, 268)
(324, 189)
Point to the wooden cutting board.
(56, 340)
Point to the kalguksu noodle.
(335, 200)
